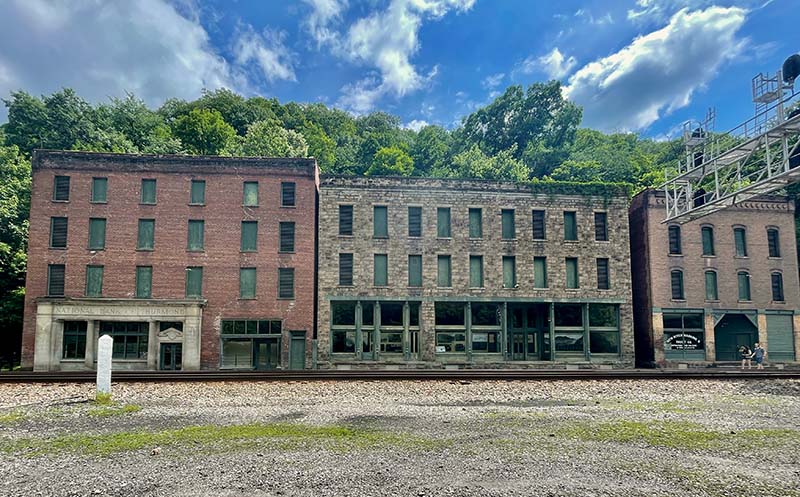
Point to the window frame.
(50, 268)
(508, 225)
(777, 242)
(707, 228)
(604, 216)
(471, 232)
(577, 274)
(139, 245)
(479, 259)
(286, 237)
(343, 256)
(62, 178)
(190, 270)
(674, 240)
(448, 226)
(148, 181)
(715, 288)
(417, 210)
(287, 271)
(512, 267)
(376, 232)
(198, 183)
(95, 181)
(544, 272)
(52, 232)
(534, 214)
(202, 238)
(380, 280)
(747, 286)
(411, 284)
(605, 261)
(572, 235)
(344, 208)
(245, 185)
(772, 281)
(250, 293)
(284, 193)
(736, 252)
(91, 268)
(98, 244)
(139, 270)
(440, 258)
(682, 287)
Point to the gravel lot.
(405, 438)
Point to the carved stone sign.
(105, 346)
(122, 310)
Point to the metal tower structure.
(759, 156)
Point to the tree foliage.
(204, 131)
(391, 161)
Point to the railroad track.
(384, 375)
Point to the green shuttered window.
(99, 190)
(145, 239)
(475, 223)
(744, 285)
(97, 233)
(380, 225)
(740, 241)
(601, 226)
(415, 270)
(148, 191)
(58, 232)
(539, 231)
(287, 194)
(286, 237)
(676, 284)
(443, 268)
(249, 239)
(346, 269)
(540, 272)
(247, 283)
(196, 235)
(773, 242)
(476, 271)
(415, 221)
(509, 272)
(286, 283)
(603, 279)
(777, 287)
(380, 270)
(443, 222)
(94, 281)
(570, 226)
(572, 272)
(250, 194)
(707, 234)
(346, 220)
(509, 231)
(61, 188)
(711, 285)
(144, 282)
(194, 282)
(674, 234)
(198, 193)
(55, 280)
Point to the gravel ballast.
(401, 438)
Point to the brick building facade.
(420, 272)
(702, 289)
(188, 262)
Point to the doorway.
(171, 357)
(527, 329)
(266, 353)
(297, 350)
(733, 331)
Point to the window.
(197, 195)
(449, 322)
(476, 271)
(485, 328)
(148, 191)
(539, 230)
(144, 282)
(247, 283)
(509, 231)
(603, 280)
(346, 220)
(509, 272)
(380, 275)
(55, 280)
(683, 336)
(415, 270)
(287, 237)
(346, 269)
(194, 282)
(601, 226)
(130, 339)
(94, 281)
(674, 234)
(343, 332)
(415, 221)
(380, 222)
(707, 233)
(572, 272)
(777, 287)
(196, 235)
(287, 194)
(603, 329)
(568, 326)
(570, 226)
(676, 283)
(744, 285)
(250, 194)
(476, 223)
(249, 236)
(97, 233)
(74, 346)
(711, 286)
(99, 190)
(773, 242)
(540, 272)
(58, 232)
(145, 239)
(61, 188)
(443, 222)
(740, 242)
(285, 283)
(443, 267)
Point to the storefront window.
(604, 329)
(684, 336)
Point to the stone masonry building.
(420, 272)
(704, 288)
(187, 262)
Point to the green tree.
(391, 161)
(235, 109)
(204, 131)
(473, 163)
(268, 139)
(131, 117)
(320, 146)
(431, 149)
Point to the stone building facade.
(187, 262)
(702, 289)
(426, 272)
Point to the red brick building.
(187, 262)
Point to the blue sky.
(635, 65)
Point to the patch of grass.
(103, 399)
(11, 418)
(335, 437)
(671, 406)
(108, 411)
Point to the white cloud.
(416, 124)
(591, 19)
(660, 11)
(658, 72)
(268, 51)
(554, 64)
(323, 13)
(493, 80)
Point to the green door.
(733, 331)
(297, 351)
(171, 357)
(780, 337)
(266, 353)
(524, 334)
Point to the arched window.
(774, 242)
(707, 233)
(676, 281)
(711, 285)
(674, 232)
(744, 285)
(777, 287)
(740, 241)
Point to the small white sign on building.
(105, 346)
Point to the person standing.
(746, 355)
(758, 355)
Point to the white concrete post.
(104, 347)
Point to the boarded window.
(744, 285)
(285, 283)
(346, 269)
(570, 226)
(198, 193)
(711, 285)
(148, 191)
(676, 284)
(380, 225)
(94, 281)
(415, 221)
(540, 272)
(144, 282)
(476, 223)
(443, 222)
(539, 231)
(97, 234)
(508, 228)
(777, 287)
(99, 190)
(603, 279)
(600, 226)
(443, 271)
(247, 283)
(74, 346)
(250, 194)
(194, 282)
(145, 239)
(674, 233)
(61, 188)
(287, 237)
(346, 220)
(380, 270)
(773, 242)
(249, 236)
(415, 270)
(58, 232)
(572, 272)
(287, 194)
(509, 272)
(740, 242)
(55, 280)
(707, 233)
(196, 235)
(476, 271)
